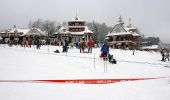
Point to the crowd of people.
(84, 47)
(26, 43)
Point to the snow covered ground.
(18, 63)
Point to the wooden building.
(19, 34)
(76, 31)
(123, 36)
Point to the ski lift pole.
(94, 62)
(48, 43)
(106, 61)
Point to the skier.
(105, 50)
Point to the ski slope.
(18, 63)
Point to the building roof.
(76, 19)
(64, 30)
(35, 31)
(151, 47)
(24, 31)
(124, 31)
(120, 33)
(16, 30)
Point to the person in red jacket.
(90, 45)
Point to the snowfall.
(19, 63)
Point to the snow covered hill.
(18, 63)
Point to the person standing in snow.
(163, 54)
(90, 45)
(167, 55)
(65, 46)
(38, 43)
(82, 46)
(105, 50)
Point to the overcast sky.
(151, 17)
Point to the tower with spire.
(120, 21)
(76, 31)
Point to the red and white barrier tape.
(81, 81)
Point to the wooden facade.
(76, 31)
(123, 37)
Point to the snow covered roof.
(136, 34)
(87, 30)
(151, 47)
(130, 27)
(64, 30)
(120, 33)
(77, 33)
(76, 19)
(35, 31)
(16, 30)
(24, 31)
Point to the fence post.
(94, 62)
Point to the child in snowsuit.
(111, 59)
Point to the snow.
(76, 19)
(120, 33)
(34, 31)
(151, 47)
(18, 63)
(24, 31)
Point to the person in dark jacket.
(105, 50)
(163, 54)
(65, 46)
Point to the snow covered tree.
(36, 24)
(47, 25)
(99, 30)
(96, 34)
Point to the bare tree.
(36, 24)
(47, 25)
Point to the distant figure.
(167, 55)
(38, 44)
(77, 45)
(90, 45)
(27, 43)
(105, 50)
(65, 46)
(134, 51)
(82, 46)
(163, 54)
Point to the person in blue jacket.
(105, 50)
